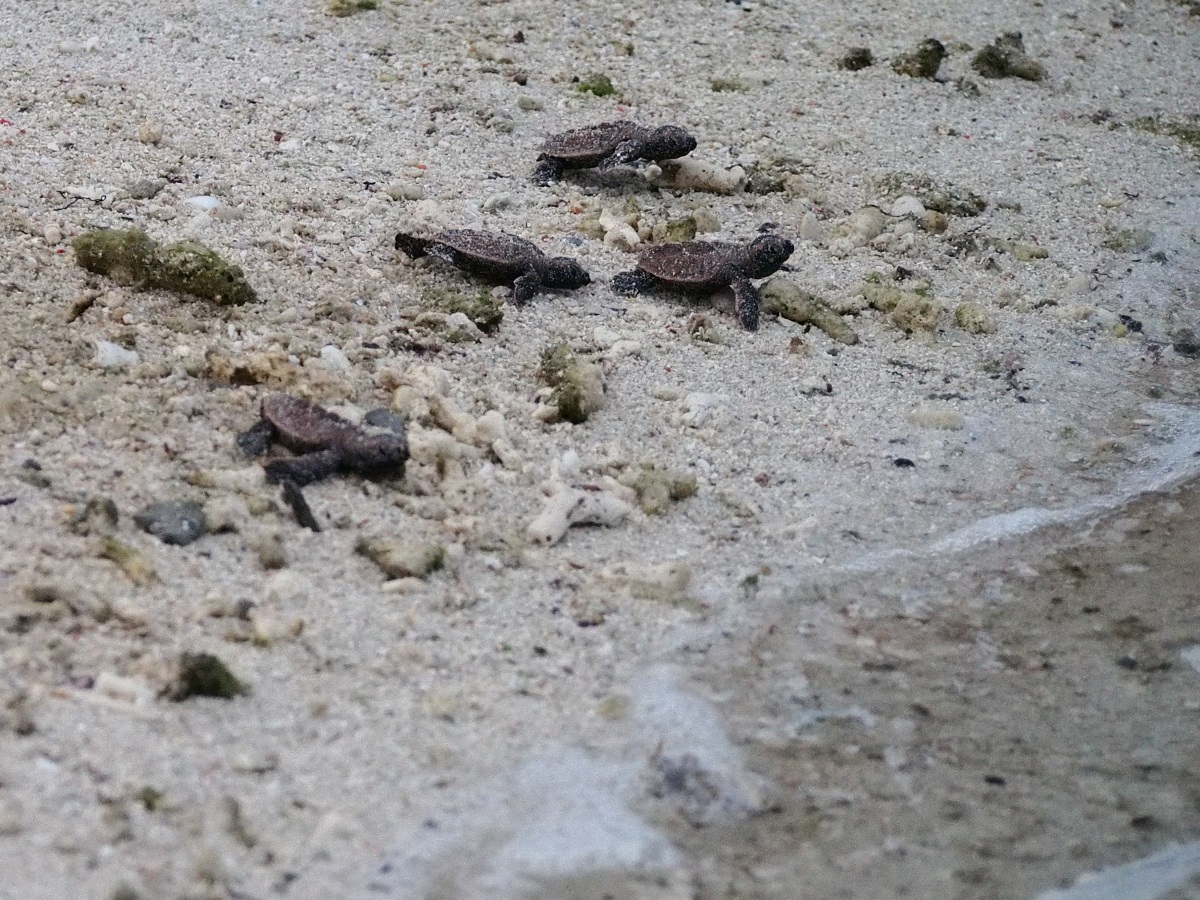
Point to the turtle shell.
(696, 263)
(587, 146)
(490, 248)
(302, 426)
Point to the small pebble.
(114, 356)
(150, 132)
(204, 675)
(334, 358)
(177, 523)
(402, 189)
(403, 559)
(935, 417)
(908, 206)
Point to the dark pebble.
(203, 675)
(1186, 343)
(903, 462)
(856, 58)
(173, 523)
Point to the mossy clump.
(403, 559)
(944, 198)
(923, 62)
(596, 83)
(343, 8)
(204, 675)
(1186, 131)
(782, 297)
(578, 385)
(1006, 58)
(973, 319)
(656, 489)
(915, 313)
(481, 307)
(131, 258)
(856, 58)
(912, 309)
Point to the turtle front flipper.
(745, 301)
(444, 252)
(629, 284)
(547, 170)
(304, 469)
(525, 287)
(626, 152)
(255, 441)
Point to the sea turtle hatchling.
(608, 145)
(497, 256)
(323, 442)
(697, 267)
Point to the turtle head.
(563, 272)
(765, 255)
(668, 142)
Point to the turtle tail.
(412, 245)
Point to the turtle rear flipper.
(526, 287)
(413, 246)
(255, 441)
(626, 152)
(746, 302)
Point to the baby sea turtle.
(498, 257)
(324, 443)
(705, 266)
(608, 145)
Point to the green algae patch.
(596, 83)
(923, 62)
(939, 197)
(657, 489)
(728, 85)
(674, 231)
(1186, 131)
(480, 307)
(191, 268)
(130, 257)
(912, 309)
(403, 559)
(1006, 58)
(124, 255)
(578, 385)
(343, 8)
(781, 297)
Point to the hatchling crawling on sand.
(498, 257)
(608, 145)
(323, 442)
(701, 267)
